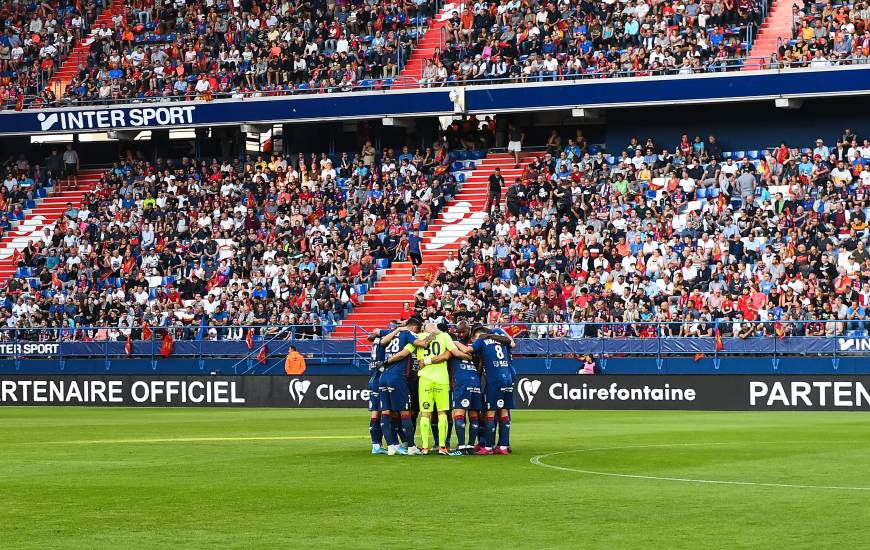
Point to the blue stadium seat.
(361, 288)
(508, 274)
(726, 155)
(701, 193)
(737, 155)
(754, 155)
(382, 263)
(460, 177)
(25, 272)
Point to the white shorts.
(515, 146)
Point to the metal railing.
(384, 85)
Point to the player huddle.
(426, 370)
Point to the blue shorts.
(499, 394)
(374, 387)
(393, 391)
(467, 394)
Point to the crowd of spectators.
(202, 50)
(533, 41)
(826, 34)
(688, 238)
(187, 50)
(196, 245)
(35, 39)
(654, 240)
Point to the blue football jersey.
(379, 351)
(495, 358)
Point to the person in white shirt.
(451, 264)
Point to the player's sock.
(473, 428)
(408, 428)
(504, 431)
(375, 432)
(434, 425)
(426, 432)
(397, 426)
(459, 429)
(449, 430)
(387, 429)
(442, 430)
(488, 432)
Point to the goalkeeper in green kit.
(434, 384)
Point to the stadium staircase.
(410, 75)
(777, 26)
(395, 287)
(44, 212)
(79, 54)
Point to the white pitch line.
(199, 439)
(537, 461)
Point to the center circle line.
(538, 461)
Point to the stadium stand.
(586, 243)
(36, 40)
(180, 51)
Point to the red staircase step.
(46, 213)
(776, 26)
(384, 301)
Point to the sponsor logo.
(116, 118)
(853, 344)
(30, 349)
(499, 403)
(465, 403)
(802, 394)
(298, 388)
(527, 389)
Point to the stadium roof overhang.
(603, 93)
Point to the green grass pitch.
(223, 478)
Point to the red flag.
(515, 330)
(128, 346)
(129, 264)
(779, 330)
(249, 338)
(261, 357)
(55, 280)
(166, 348)
(17, 256)
(698, 356)
(719, 344)
(252, 202)
(147, 333)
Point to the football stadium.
(595, 273)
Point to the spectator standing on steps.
(71, 165)
(496, 181)
(515, 143)
(414, 252)
(516, 194)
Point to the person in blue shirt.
(493, 351)
(395, 386)
(378, 356)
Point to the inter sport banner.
(712, 392)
